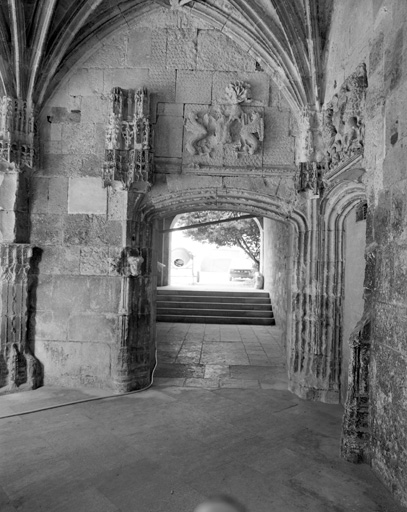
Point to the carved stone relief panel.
(227, 125)
(344, 126)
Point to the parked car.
(241, 273)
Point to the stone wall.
(375, 33)
(82, 227)
(353, 303)
(277, 263)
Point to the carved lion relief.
(226, 124)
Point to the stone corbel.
(129, 264)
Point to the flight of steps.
(214, 307)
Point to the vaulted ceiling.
(40, 40)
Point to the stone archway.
(138, 326)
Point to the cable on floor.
(93, 399)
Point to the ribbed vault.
(40, 40)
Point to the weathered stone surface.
(8, 191)
(376, 54)
(49, 195)
(78, 141)
(94, 260)
(86, 82)
(158, 49)
(181, 48)
(86, 195)
(218, 53)
(51, 325)
(116, 203)
(139, 48)
(60, 165)
(127, 78)
(278, 146)
(46, 229)
(194, 87)
(75, 364)
(60, 260)
(92, 328)
(393, 69)
(111, 54)
(161, 83)
(106, 293)
(81, 229)
(168, 136)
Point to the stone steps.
(214, 307)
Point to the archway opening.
(225, 332)
(212, 250)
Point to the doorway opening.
(215, 320)
(212, 250)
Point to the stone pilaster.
(18, 366)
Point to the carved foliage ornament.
(344, 127)
(127, 153)
(16, 132)
(226, 124)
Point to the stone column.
(128, 160)
(18, 366)
(135, 351)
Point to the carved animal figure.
(252, 125)
(198, 134)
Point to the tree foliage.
(241, 233)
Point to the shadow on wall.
(36, 369)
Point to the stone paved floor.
(212, 356)
(164, 449)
